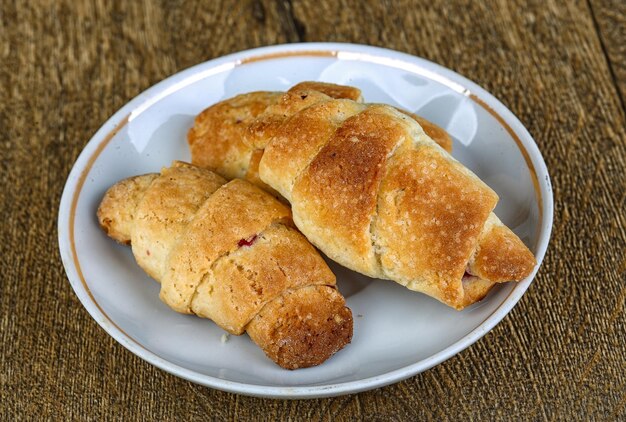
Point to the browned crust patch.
(299, 139)
(335, 197)
(265, 127)
(502, 256)
(303, 327)
(434, 132)
(429, 205)
(217, 139)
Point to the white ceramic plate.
(397, 333)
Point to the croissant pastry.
(223, 139)
(229, 252)
(368, 186)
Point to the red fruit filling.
(247, 242)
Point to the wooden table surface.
(560, 66)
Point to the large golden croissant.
(228, 252)
(368, 186)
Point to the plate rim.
(141, 102)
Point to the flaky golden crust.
(373, 190)
(299, 140)
(474, 289)
(228, 252)
(332, 90)
(252, 173)
(217, 139)
(164, 211)
(264, 128)
(303, 327)
(335, 197)
(428, 204)
(433, 131)
(117, 209)
(241, 282)
(230, 136)
(501, 256)
(235, 211)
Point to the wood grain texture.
(610, 21)
(66, 66)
